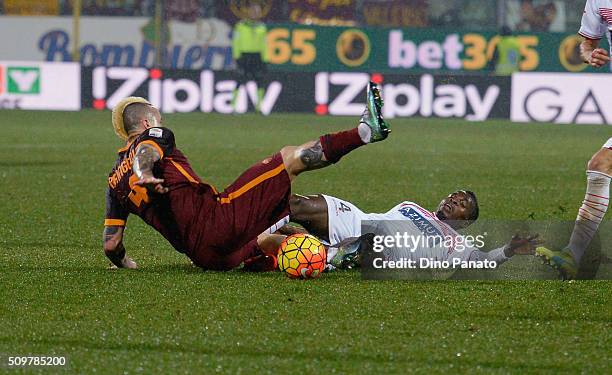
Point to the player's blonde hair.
(118, 124)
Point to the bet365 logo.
(19, 80)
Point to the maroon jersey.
(215, 230)
(175, 214)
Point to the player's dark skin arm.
(146, 156)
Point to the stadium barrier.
(561, 98)
(335, 93)
(206, 44)
(40, 85)
(126, 41)
(524, 97)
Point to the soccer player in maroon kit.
(153, 180)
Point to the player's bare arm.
(145, 158)
(114, 249)
(592, 55)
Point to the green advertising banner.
(419, 50)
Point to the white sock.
(279, 224)
(591, 213)
(365, 133)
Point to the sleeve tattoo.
(312, 157)
(146, 156)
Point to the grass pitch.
(59, 298)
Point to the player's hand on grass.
(126, 262)
(153, 184)
(129, 263)
(519, 245)
(599, 57)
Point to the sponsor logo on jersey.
(420, 222)
(155, 132)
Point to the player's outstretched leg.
(590, 215)
(259, 197)
(329, 148)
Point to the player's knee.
(298, 206)
(601, 162)
(286, 152)
(288, 155)
(305, 209)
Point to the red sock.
(336, 145)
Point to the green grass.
(167, 317)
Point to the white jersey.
(597, 20)
(345, 221)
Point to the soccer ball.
(302, 256)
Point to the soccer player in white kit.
(338, 222)
(596, 21)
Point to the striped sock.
(591, 213)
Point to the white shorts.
(344, 220)
(608, 144)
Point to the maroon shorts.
(258, 199)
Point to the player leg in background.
(590, 215)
